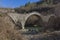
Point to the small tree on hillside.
(48, 1)
(27, 3)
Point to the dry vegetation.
(7, 31)
(29, 7)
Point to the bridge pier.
(23, 23)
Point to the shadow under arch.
(34, 21)
(51, 23)
(57, 24)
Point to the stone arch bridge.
(22, 18)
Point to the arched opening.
(57, 24)
(51, 21)
(54, 23)
(34, 22)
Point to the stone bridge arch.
(34, 17)
(51, 22)
(54, 23)
(22, 18)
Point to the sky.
(14, 3)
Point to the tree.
(27, 3)
(48, 1)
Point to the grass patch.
(36, 28)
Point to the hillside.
(7, 10)
(7, 31)
(38, 6)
